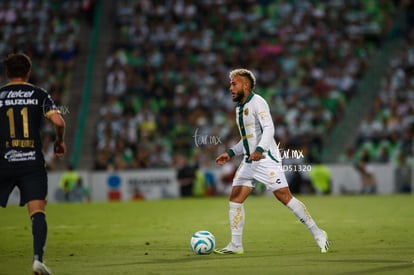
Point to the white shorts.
(266, 171)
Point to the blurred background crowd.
(167, 75)
(48, 31)
(166, 101)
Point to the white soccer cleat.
(323, 242)
(40, 268)
(230, 249)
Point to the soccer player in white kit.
(261, 162)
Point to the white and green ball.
(203, 242)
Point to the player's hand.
(223, 158)
(59, 148)
(255, 156)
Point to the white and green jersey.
(256, 129)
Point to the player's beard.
(239, 96)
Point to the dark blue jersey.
(23, 107)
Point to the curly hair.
(244, 73)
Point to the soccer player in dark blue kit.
(22, 109)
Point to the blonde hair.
(244, 73)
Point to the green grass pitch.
(369, 235)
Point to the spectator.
(320, 177)
(368, 180)
(403, 174)
(199, 183)
(68, 181)
(80, 193)
(185, 176)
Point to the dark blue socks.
(39, 231)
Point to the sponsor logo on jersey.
(15, 156)
(21, 101)
(3, 94)
(20, 93)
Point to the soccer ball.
(202, 242)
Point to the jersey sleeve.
(266, 123)
(236, 150)
(49, 107)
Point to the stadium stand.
(167, 74)
(48, 31)
(164, 89)
(386, 134)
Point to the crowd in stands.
(47, 31)
(386, 134)
(167, 87)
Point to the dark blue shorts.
(30, 180)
